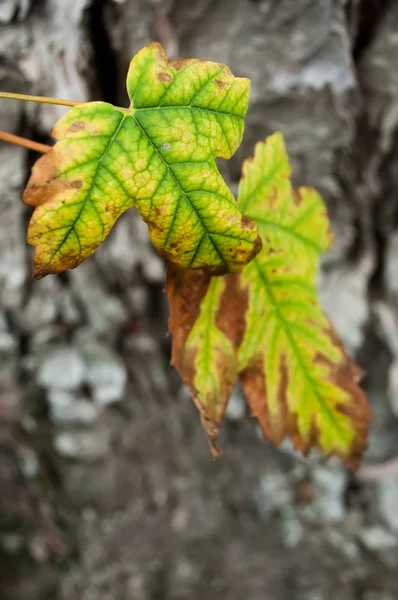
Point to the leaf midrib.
(185, 106)
(184, 194)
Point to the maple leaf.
(294, 371)
(159, 156)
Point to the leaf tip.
(155, 47)
(41, 270)
(36, 275)
(211, 428)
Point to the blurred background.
(107, 487)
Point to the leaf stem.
(24, 142)
(40, 99)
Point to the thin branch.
(40, 99)
(25, 143)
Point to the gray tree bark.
(108, 490)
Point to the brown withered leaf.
(207, 323)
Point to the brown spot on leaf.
(77, 126)
(46, 180)
(165, 77)
(230, 316)
(157, 211)
(178, 64)
(247, 223)
(185, 289)
(181, 63)
(297, 199)
(44, 171)
(153, 225)
(77, 184)
(353, 411)
(245, 164)
(282, 388)
(173, 245)
(254, 385)
(221, 84)
(258, 244)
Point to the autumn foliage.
(241, 277)
(265, 326)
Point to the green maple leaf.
(159, 156)
(273, 333)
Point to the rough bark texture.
(108, 490)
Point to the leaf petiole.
(24, 142)
(40, 99)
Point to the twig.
(24, 142)
(40, 99)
